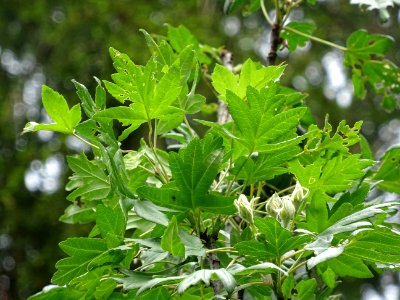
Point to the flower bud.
(287, 210)
(299, 193)
(245, 208)
(273, 205)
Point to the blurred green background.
(53, 41)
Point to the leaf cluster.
(244, 208)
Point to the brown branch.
(276, 40)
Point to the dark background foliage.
(52, 42)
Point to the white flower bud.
(299, 193)
(288, 210)
(245, 208)
(273, 205)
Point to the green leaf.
(358, 83)
(65, 119)
(317, 213)
(159, 293)
(252, 248)
(171, 241)
(389, 103)
(323, 143)
(329, 277)
(354, 198)
(287, 286)
(323, 175)
(376, 246)
(252, 74)
(346, 265)
(306, 289)
(111, 223)
(180, 37)
(389, 172)
(82, 252)
(193, 170)
(75, 214)
(295, 40)
(89, 180)
(105, 289)
(365, 56)
(100, 96)
(278, 241)
(150, 212)
(361, 43)
(263, 123)
(366, 151)
(247, 7)
(353, 223)
(88, 104)
(263, 166)
(152, 89)
(126, 115)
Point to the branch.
(210, 243)
(276, 40)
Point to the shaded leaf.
(171, 240)
(294, 40)
(88, 181)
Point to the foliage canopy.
(266, 204)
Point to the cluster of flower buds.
(284, 208)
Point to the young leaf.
(180, 37)
(323, 175)
(65, 119)
(252, 74)
(88, 104)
